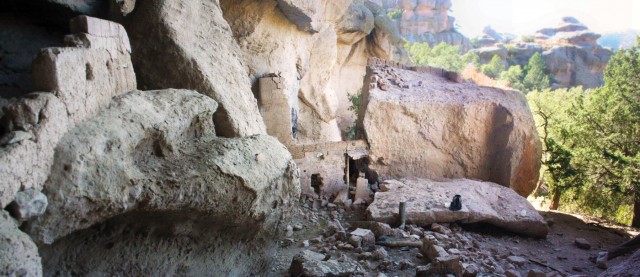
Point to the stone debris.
(310, 263)
(364, 236)
(28, 204)
(536, 273)
(582, 243)
(517, 260)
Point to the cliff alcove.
(261, 138)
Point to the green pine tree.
(536, 77)
(494, 68)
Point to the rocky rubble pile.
(349, 247)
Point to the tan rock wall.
(424, 125)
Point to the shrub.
(494, 67)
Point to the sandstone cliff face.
(426, 126)
(320, 65)
(571, 51)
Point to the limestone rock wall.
(81, 80)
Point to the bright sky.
(524, 17)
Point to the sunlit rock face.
(424, 125)
(570, 50)
(426, 21)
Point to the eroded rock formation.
(184, 178)
(180, 32)
(420, 124)
(427, 21)
(570, 50)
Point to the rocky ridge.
(427, 21)
(570, 50)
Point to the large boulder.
(424, 125)
(151, 161)
(129, 156)
(573, 65)
(355, 24)
(428, 202)
(188, 44)
(18, 254)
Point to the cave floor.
(489, 249)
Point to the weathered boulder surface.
(18, 254)
(304, 14)
(355, 24)
(81, 81)
(150, 162)
(193, 45)
(26, 163)
(137, 155)
(627, 268)
(424, 125)
(428, 202)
